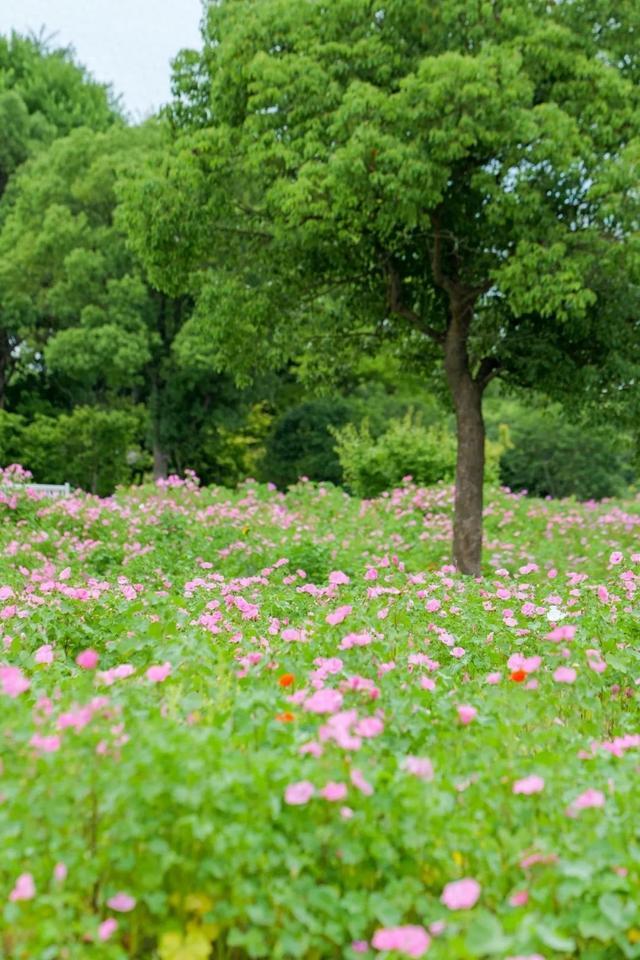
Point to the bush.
(302, 445)
(550, 457)
(371, 465)
(89, 448)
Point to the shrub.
(371, 465)
(88, 448)
(551, 457)
(302, 445)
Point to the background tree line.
(348, 229)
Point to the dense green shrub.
(301, 444)
(373, 464)
(551, 457)
(90, 448)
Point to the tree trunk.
(5, 356)
(160, 462)
(467, 400)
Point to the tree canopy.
(460, 178)
(44, 94)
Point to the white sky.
(128, 43)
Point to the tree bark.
(467, 399)
(160, 462)
(5, 356)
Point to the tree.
(44, 94)
(461, 177)
(93, 323)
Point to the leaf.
(596, 928)
(485, 936)
(194, 945)
(555, 940)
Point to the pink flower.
(157, 674)
(355, 640)
(519, 899)
(615, 558)
(437, 927)
(529, 785)
(13, 681)
(558, 634)
(412, 941)
(44, 654)
(369, 727)
(45, 744)
(360, 783)
(123, 670)
(598, 666)
(603, 594)
(324, 701)
(359, 946)
(461, 894)
(337, 578)
(532, 858)
(419, 767)
(565, 675)
(493, 678)
(466, 713)
(529, 664)
(24, 889)
(121, 902)
(334, 791)
(337, 616)
(299, 793)
(107, 929)
(60, 872)
(590, 798)
(88, 659)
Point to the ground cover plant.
(256, 724)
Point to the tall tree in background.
(44, 94)
(67, 277)
(461, 174)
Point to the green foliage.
(175, 791)
(302, 445)
(44, 94)
(350, 170)
(370, 466)
(90, 448)
(552, 457)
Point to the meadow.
(255, 724)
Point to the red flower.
(286, 680)
(286, 717)
(519, 675)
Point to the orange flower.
(519, 675)
(286, 680)
(286, 717)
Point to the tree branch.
(488, 369)
(439, 276)
(397, 306)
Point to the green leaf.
(554, 939)
(485, 936)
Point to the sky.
(128, 43)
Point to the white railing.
(45, 489)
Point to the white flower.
(554, 614)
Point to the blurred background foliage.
(104, 380)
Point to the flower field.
(261, 725)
